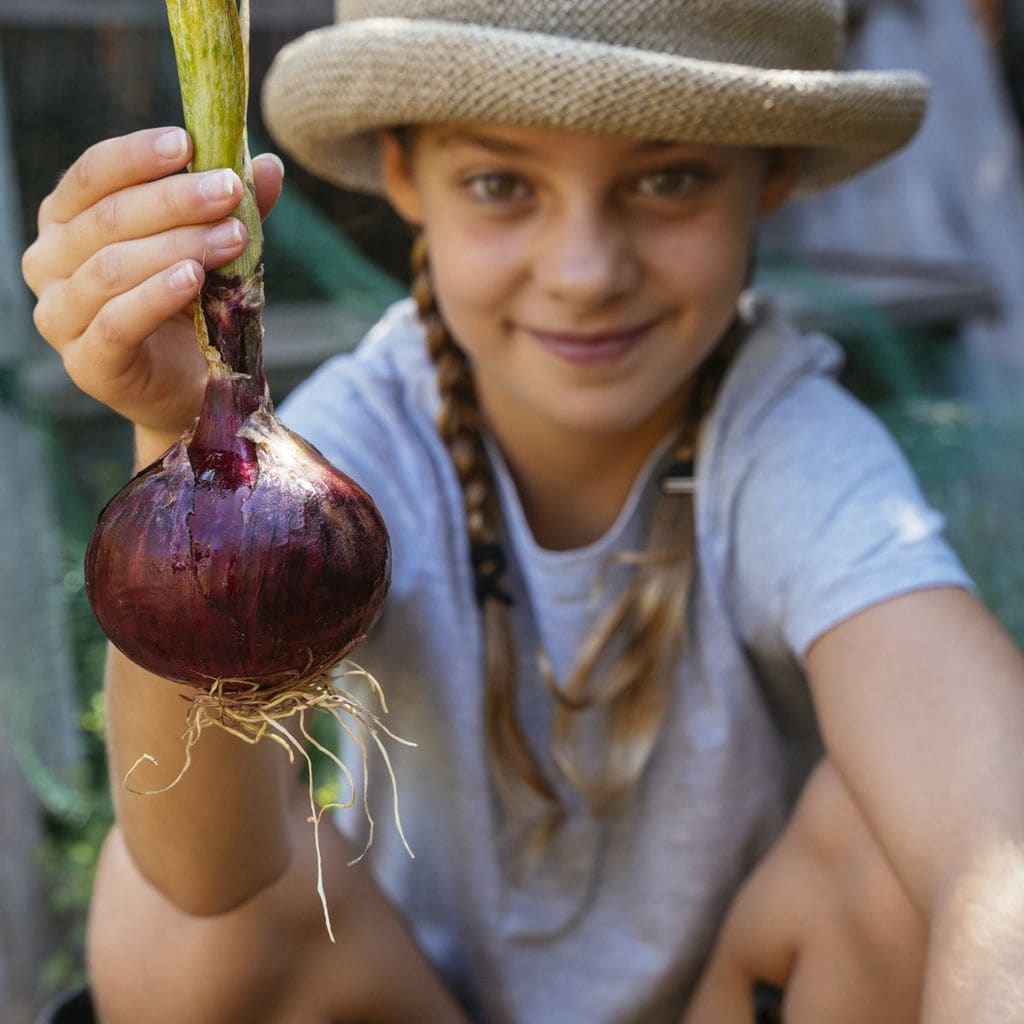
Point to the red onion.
(240, 555)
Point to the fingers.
(145, 210)
(112, 343)
(69, 306)
(114, 164)
(124, 243)
(142, 211)
(268, 177)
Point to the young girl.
(647, 553)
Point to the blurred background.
(917, 268)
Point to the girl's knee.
(865, 896)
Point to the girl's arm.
(268, 960)
(218, 835)
(120, 255)
(921, 704)
(205, 905)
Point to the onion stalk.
(241, 562)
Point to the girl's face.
(586, 277)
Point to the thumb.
(268, 177)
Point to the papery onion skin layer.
(241, 555)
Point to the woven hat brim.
(329, 92)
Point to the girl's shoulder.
(783, 407)
(778, 367)
(813, 510)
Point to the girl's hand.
(121, 253)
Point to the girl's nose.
(586, 257)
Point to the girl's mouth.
(592, 347)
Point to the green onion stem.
(211, 46)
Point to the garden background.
(918, 269)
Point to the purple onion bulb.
(241, 555)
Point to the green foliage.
(966, 454)
(69, 855)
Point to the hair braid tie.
(489, 565)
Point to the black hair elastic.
(489, 565)
(680, 477)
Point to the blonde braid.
(512, 759)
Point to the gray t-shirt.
(806, 513)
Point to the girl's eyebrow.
(657, 145)
(506, 147)
(467, 136)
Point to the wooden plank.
(915, 294)
(60, 14)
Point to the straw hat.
(741, 72)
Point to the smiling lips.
(591, 348)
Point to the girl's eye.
(669, 182)
(498, 188)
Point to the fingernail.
(226, 235)
(277, 160)
(171, 145)
(217, 185)
(184, 279)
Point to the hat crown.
(806, 35)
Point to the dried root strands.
(254, 715)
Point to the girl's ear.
(399, 187)
(784, 167)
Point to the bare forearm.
(976, 953)
(217, 836)
(921, 700)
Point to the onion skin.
(240, 556)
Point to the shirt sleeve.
(826, 519)
(363, 420)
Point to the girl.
(647, 554)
